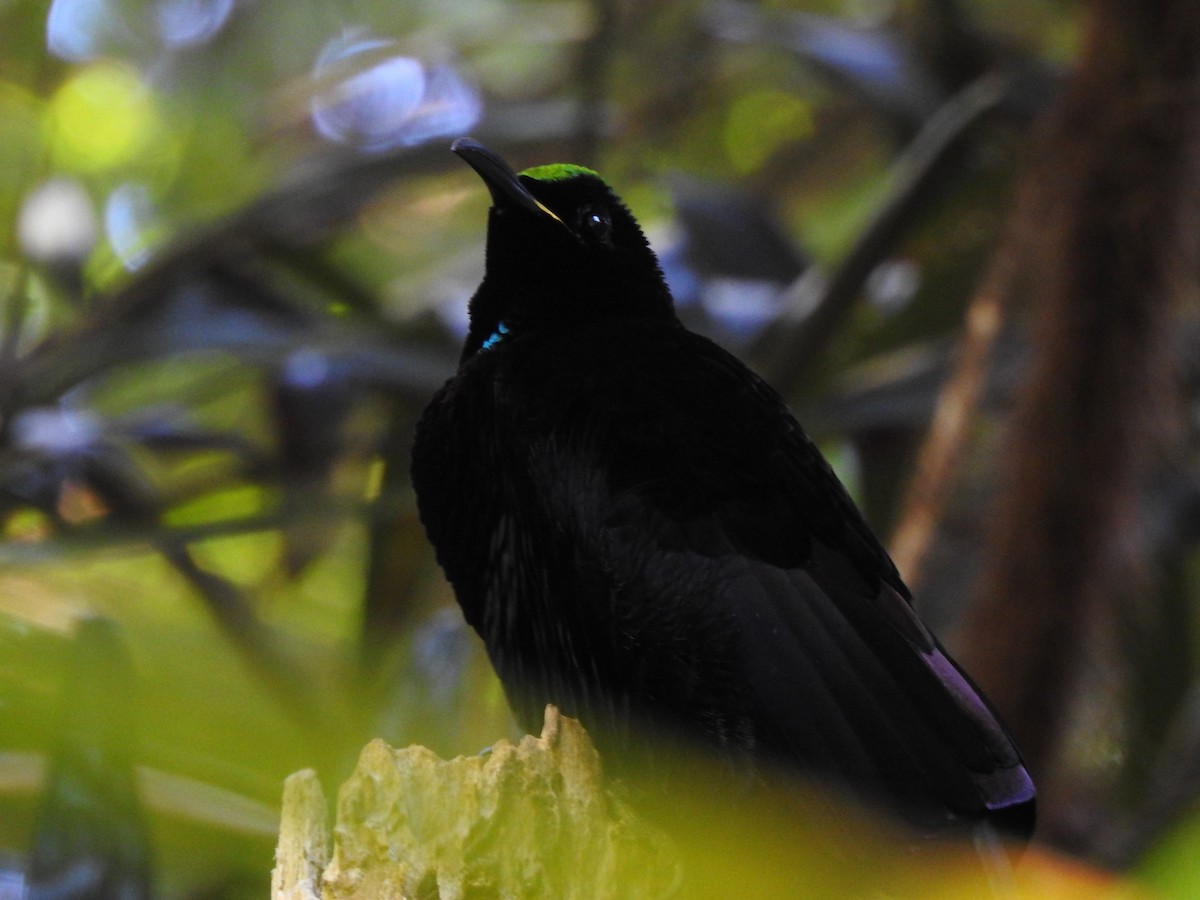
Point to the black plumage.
(644, 536)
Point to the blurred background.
(235, 258)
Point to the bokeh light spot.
(187, 23)
(374, 98)
(102, 117)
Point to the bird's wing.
(738, 529)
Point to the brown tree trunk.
(1107, 246)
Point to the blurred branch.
(16, 304)
(592, 71)
(395, 536)
(235, 616)
(941, 455)
(106, 535)
(229, 286)
(876, 64)
(317, 197)
(816, 305)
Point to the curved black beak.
(503, 183)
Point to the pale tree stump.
(531, 819)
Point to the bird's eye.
(595, 221)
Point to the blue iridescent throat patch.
(494, 339)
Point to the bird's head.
(562, 250)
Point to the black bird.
(644, 536)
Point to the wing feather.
(748, 533)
